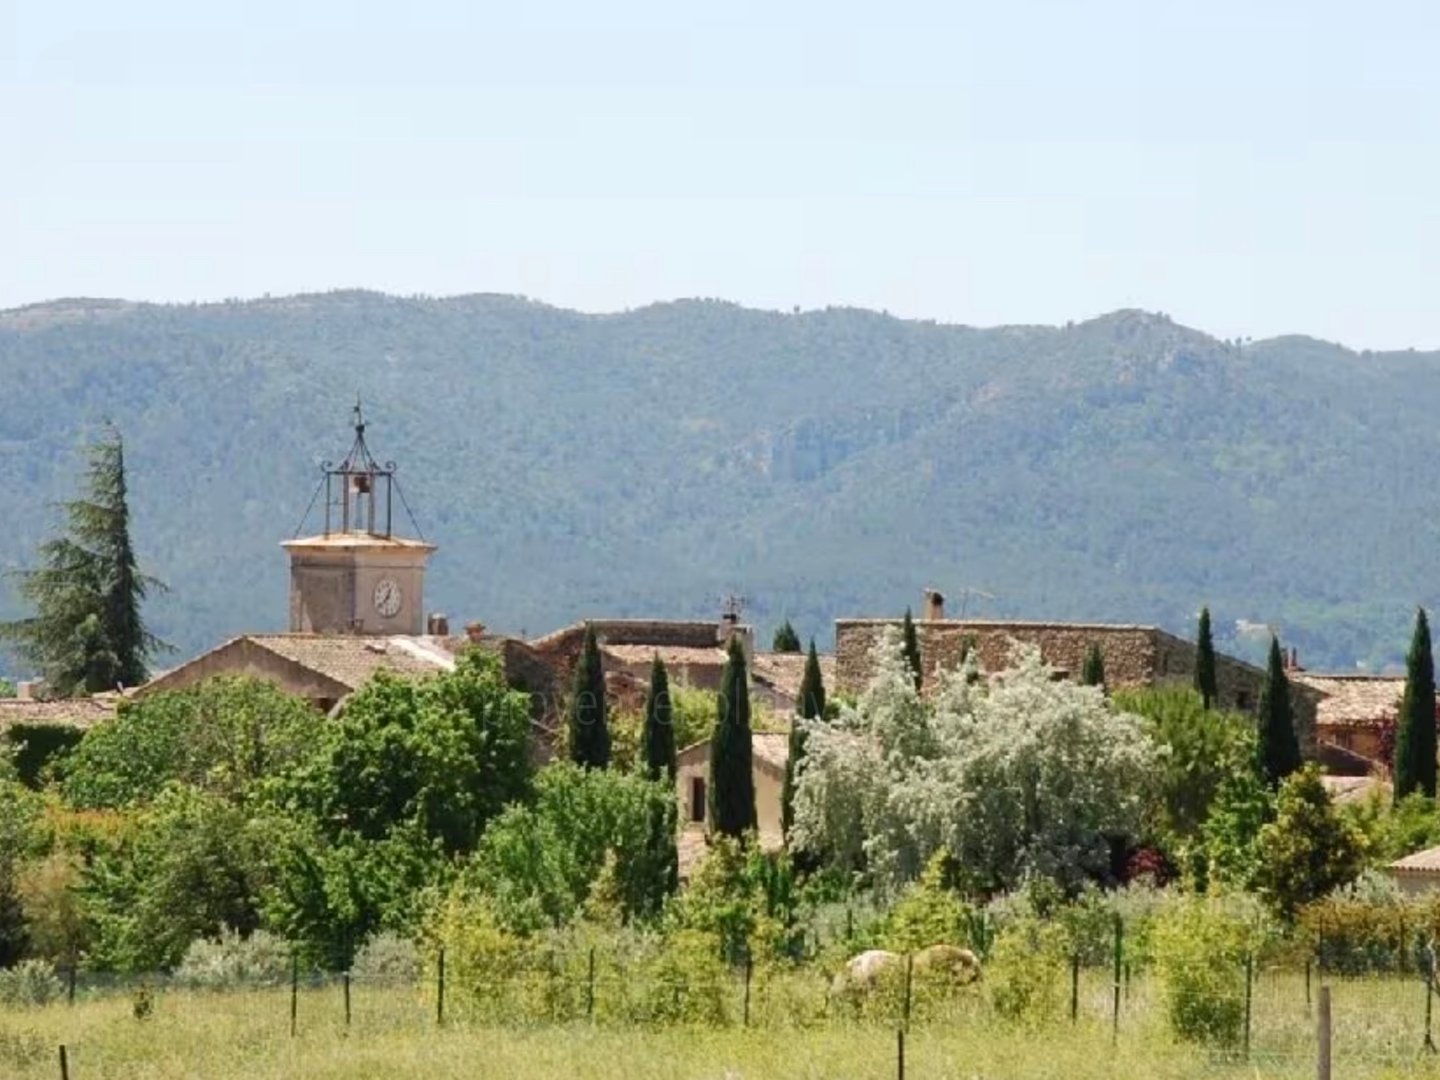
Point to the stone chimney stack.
(934, 607)
(438, 625)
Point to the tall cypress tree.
(87, 634)
(1093, 672)
(589, 726)
(912, 648)
(657, 735)
(1278, 750)
(810, 706)
(732, 783)
(1415, 738)
(1205, 660)
(785, 639)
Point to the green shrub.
(389, 958)
(30, 982)
(1026, 972)
(233, 962)
(1200, 947)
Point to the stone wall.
(1134, 656)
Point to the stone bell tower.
(358, 577)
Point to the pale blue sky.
(1250, 167)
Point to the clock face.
(387, 598)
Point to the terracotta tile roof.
(352, 660)
(69, 712)
(1351, 700)
(785, 671)
(672, 655)
(771, 747)
(1422, 862)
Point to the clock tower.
(358, 577)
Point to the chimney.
(25, 690)
(475, 631)
(438, 625)
(934, 605)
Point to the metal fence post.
(900, 1053)
(70, 985)
(346, 983)
(440, 988)
(590, 987)
(1074, 988)
(1322, 1035)
(745, 1015)
(294, 994)
(1119, 958)
(64, 1064)
(909, 970)
(1249, 984)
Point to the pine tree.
(1205, 660)
(1278, 749)
(1093, 673)
(87, 634)
(657, 734)
(810, 706)
(912, 648)
(1415, 738)
(785, 639)
(589, 728)
(732, 783)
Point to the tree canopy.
(1028, 776)
(87, 633)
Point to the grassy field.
(229, 1036)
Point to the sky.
(1249, 167)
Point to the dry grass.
(246, 1035)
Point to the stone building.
(1135, 655)
(769, 753)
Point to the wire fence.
(1266, 1014)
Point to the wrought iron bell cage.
(356, 488)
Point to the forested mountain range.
(820, 463)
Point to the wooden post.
(70, 984)
(1307, 986)
(745, 1016)
(1075, 988)
(900, 1053)
(1322, 1036)
(64, 1064)
(849, 923)
(1119, 959)
(1249, 983)
(346, 984)
(590, 987)
(440, 987)
(909, 968)
(294, 994)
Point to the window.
(697, 799)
